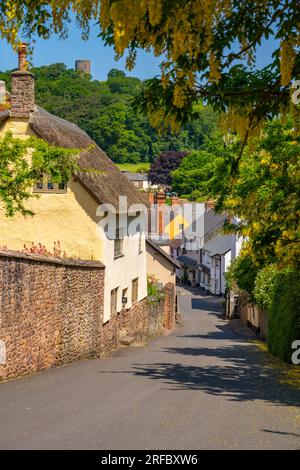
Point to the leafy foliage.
(18, 172)
(104, 110)
(278, 292)
(161, 169)
(265, 285)
(241, 274)
(260, 187)
(154, 290)
(284, 313)
(208, 50)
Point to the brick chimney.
(160, 198)
(22, 87)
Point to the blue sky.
(102, 58)
(67, 51)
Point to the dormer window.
(45, 185)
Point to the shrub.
(283, 313)
(154, 290)
(265, 285)
(241, 274)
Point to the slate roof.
(219, 245)
(135, 176)
(213, 223)
(187, 261)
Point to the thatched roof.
(3, 116)
(98, 174)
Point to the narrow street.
(202, 387)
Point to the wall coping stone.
(51, 259)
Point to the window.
(140, 243)
(45, 185)
(124, 297)
(118, 244)
(135, 290)
(113, 301)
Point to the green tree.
(261, 188)
(104, 110)
(207, 48)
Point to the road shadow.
(238, 371)
(209, 305)
(237, 382)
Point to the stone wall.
(169, 307)
(51, 313)
(22, 94)
(143, 320)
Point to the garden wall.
(51, 313)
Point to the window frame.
(114, 301)
(135, 291)
(118, 245)
(44, 181)
(140, 243)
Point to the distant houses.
(215, 258)
(139, 180)
(196, 239)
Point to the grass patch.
(134, 167)
(289, 373)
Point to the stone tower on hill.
(83, 66)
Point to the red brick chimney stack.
(160, 198)
(22, 87)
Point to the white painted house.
(216, 256)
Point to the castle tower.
(83, 66)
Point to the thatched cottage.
(68, 213)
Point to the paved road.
(202, 387)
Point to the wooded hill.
(104, 110)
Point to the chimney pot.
(22, 53)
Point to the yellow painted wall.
(159, 266)
(68, 218)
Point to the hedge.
(284, 314)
